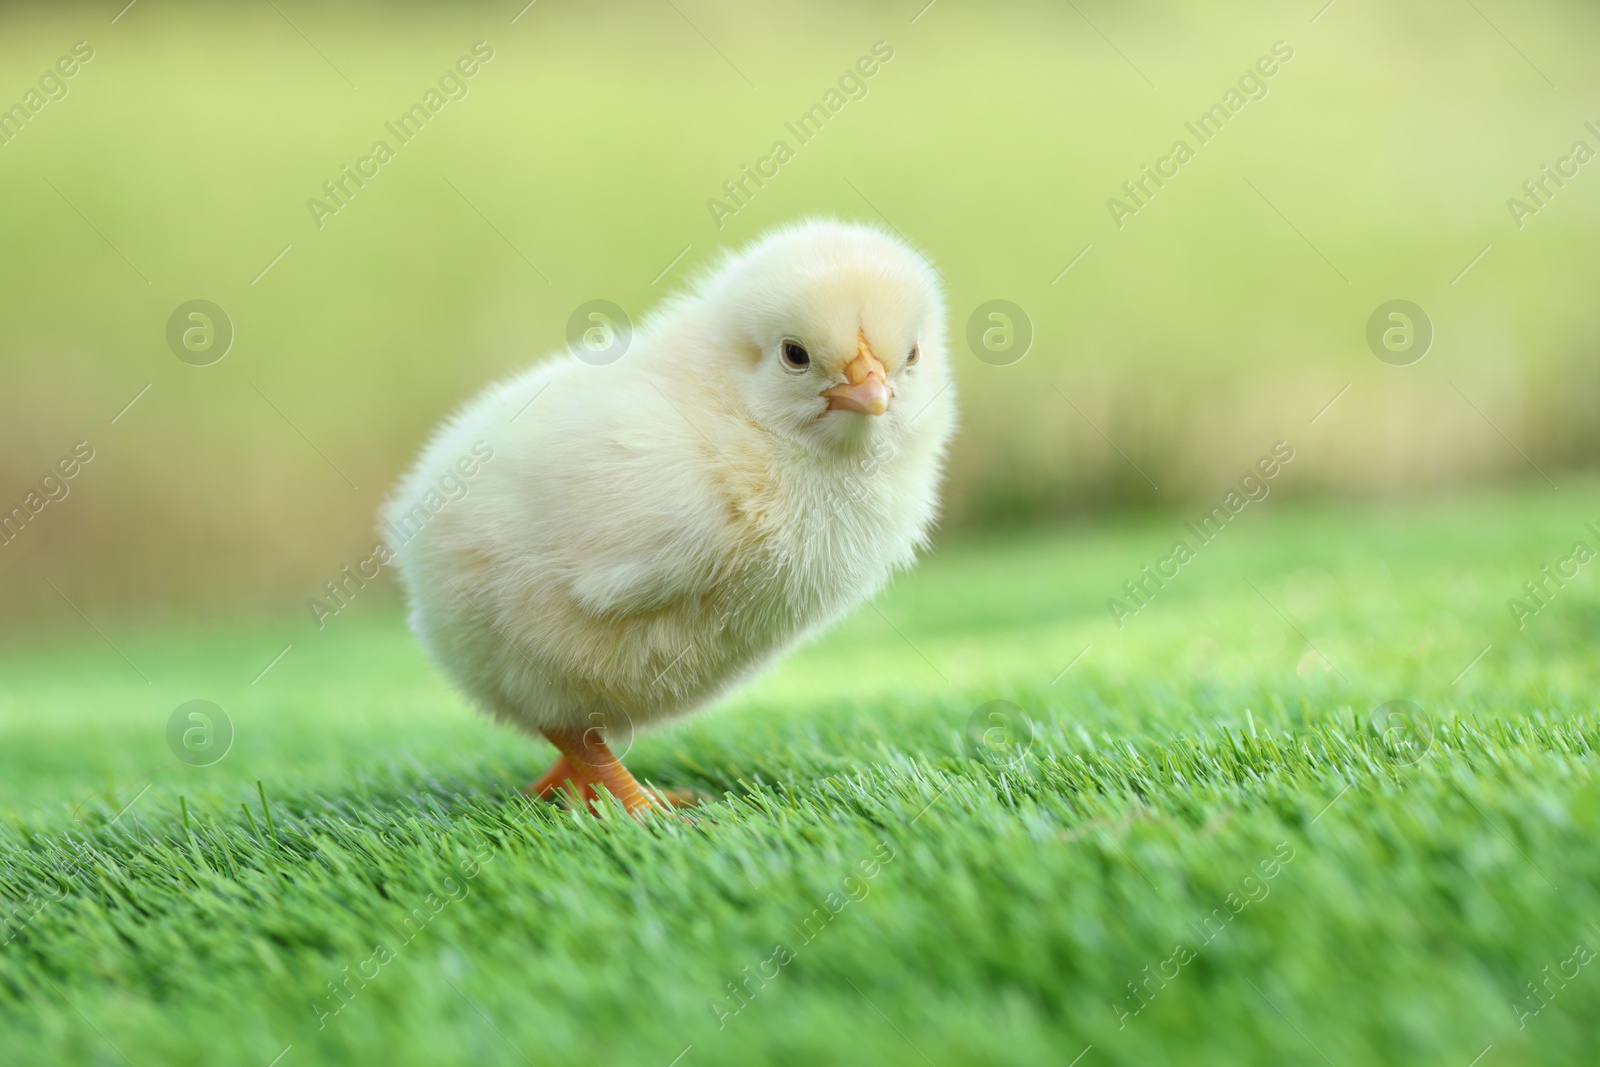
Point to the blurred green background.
(1224, 316)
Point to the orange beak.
(865, 388)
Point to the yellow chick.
(591, 548)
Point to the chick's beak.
(865, 388)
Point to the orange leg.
(587, 754)
(562, 773)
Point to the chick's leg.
(562, 773)
(590, 759)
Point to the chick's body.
(645, 533)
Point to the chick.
(637, 537)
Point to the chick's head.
(838, 333)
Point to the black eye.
(795, 355)
(916, 352)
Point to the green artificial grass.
(1209, 841)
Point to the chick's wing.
(640, 522)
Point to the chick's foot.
(590, 761)
(562, 778)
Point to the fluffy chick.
(637, 537)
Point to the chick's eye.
(795, 355)
(916, 352)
